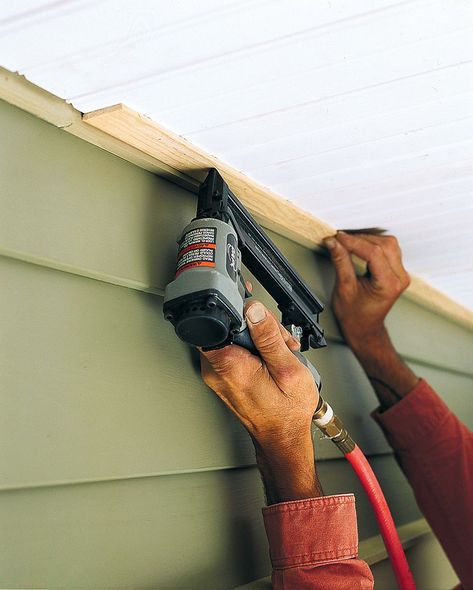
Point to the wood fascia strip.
(371, 550)
(18, 91)
(153, 148)
(270, 209)
(426, 295)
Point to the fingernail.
(256, 313)
(331, 243)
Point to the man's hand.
(361, 305)
(275, 397)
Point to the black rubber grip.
(243, 339)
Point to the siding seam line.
(142, 287)
(119, 478)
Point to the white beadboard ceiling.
(360, 112)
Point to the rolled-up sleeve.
(435, 451)
(314, 545)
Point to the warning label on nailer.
(197, 248)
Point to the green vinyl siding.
(193, 530)
(118, 467)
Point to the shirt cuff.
(313, 531)
(410, 422)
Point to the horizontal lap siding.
(200, 531)
(105, 390)
(194, 532)
(103, 387)
(118, 467)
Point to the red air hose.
(386, 524)
(333, 428)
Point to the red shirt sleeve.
(435, 451)
(314, 545)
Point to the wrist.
(390, 376)
(288, 468)
(282, 438)
(371, 344)
(296, 451)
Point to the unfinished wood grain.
(274, 212)
(146, 135)
(137, 139)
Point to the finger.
(341, 259)
(267, 337)
(288, 338)
(216, 381)
(292, 342)
(380, 270)
(225, 359)
(393, 253)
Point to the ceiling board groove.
(384, 99)
(407, 143)
(343, 197)
(247, 52)
(45, 11)
(389, 169)
(344, 93)
(351, 133)
(211, 9)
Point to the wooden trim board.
(18, 91)
(146, 135)
(138, 139)
(270, 209)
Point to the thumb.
(267, 337)
(342, 262)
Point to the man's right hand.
(274, 396)
(361, 304)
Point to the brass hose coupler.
(332, 427)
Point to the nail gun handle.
(312, 369)
(243, 339)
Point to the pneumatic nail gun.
(206, 299)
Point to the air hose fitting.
(332, 427)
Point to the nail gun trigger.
(244, 290)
